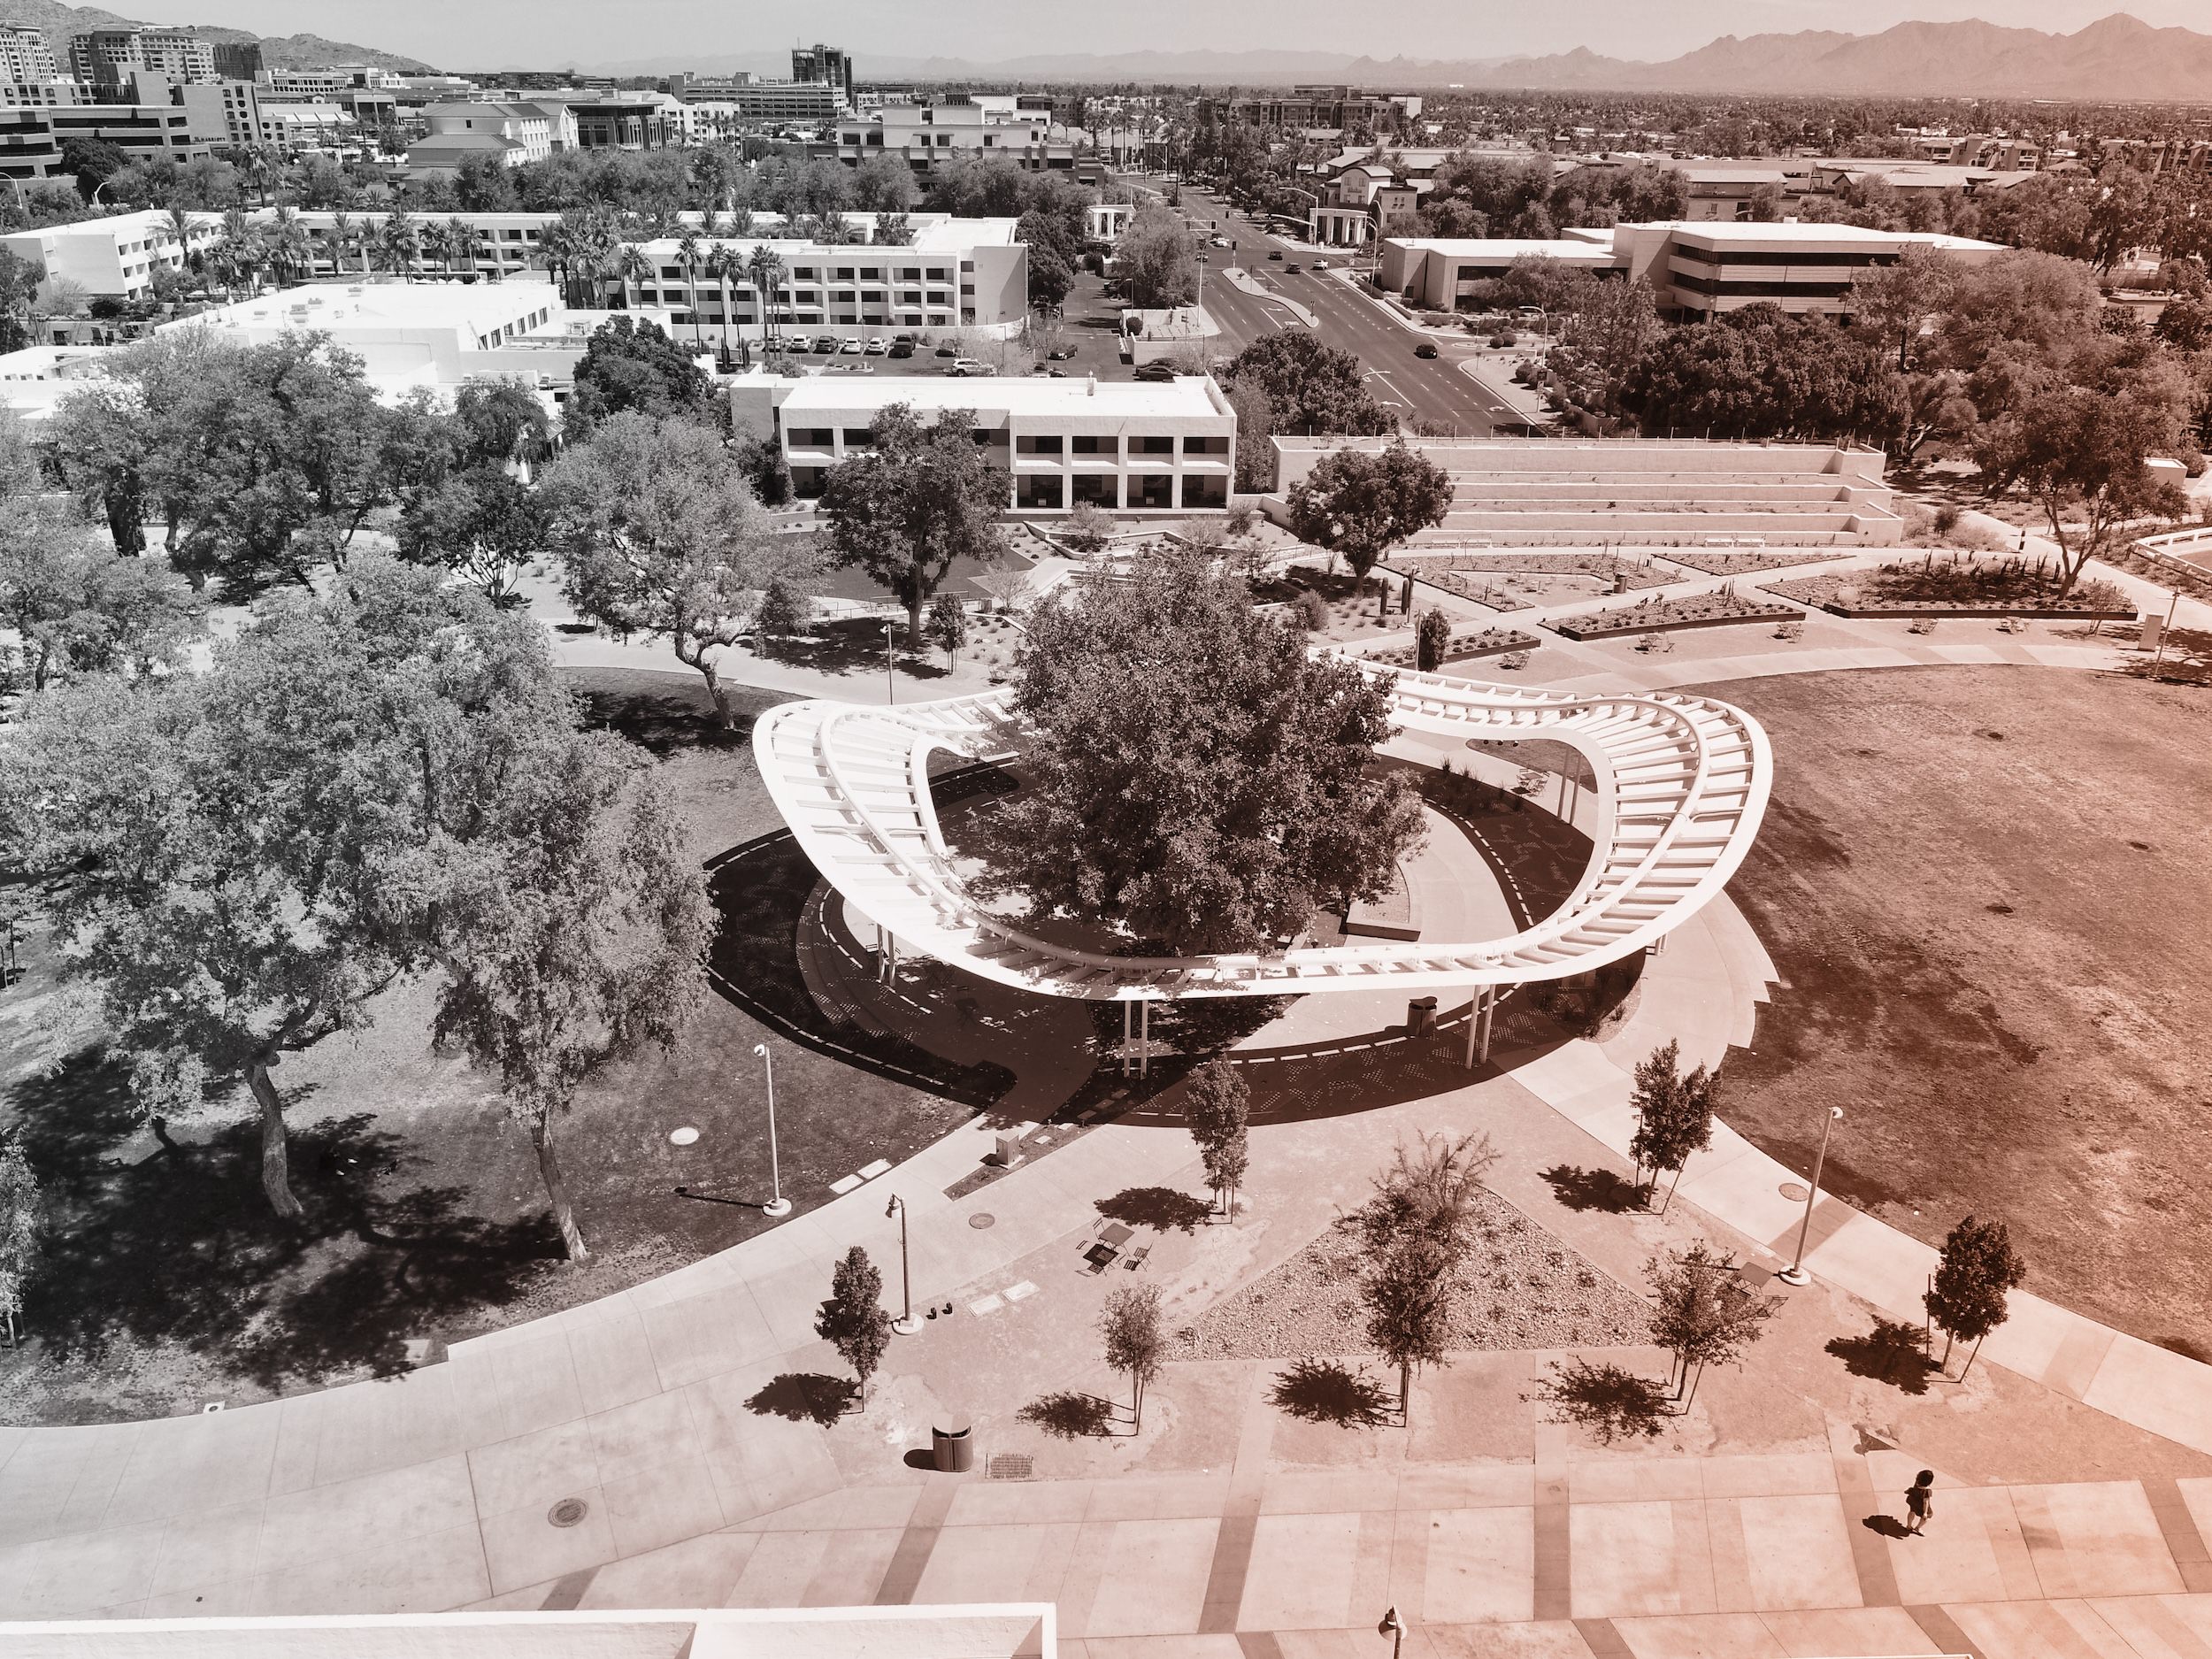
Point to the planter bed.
(1720, 562)
(1852, 594)
(1668, 618)
(1463, 648)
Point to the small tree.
(22, 1220)
(1409, 1303)
(1431, 635)
(1431, 1192)
(1217, 1104)
(1362, 504)
(1087, 528)
(1674, 1116)
(853, 1321)
(784, 610)
(948, 623)
(1968, 1298)
(1134, 1342)
(1703, 1312)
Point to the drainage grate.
(981, 1219)
(1796, 1192)
(568, 1512)
(1011, 1466)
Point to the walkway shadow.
(1602, 1190)
(1611, 1401)
(1885, 1526)
(1890, 1352)
(1327, 1391)
(804, 1396)
(1070, 1415)
(1159, 1207)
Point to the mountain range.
(2119, 57)
(57, 22)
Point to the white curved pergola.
(1682, 783)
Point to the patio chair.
(1136, 1258)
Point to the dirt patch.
(1984, 890)
(1519, 1288)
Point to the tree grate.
(1011, 1466)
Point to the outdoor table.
(1117, 1235)
(1100, 1254)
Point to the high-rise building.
(105, 59)
(237, 60)
(826, 64)
(24, 57)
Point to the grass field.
(167, 1283)
(1984, 889)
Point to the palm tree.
(765, 265)
(343, 232)
(632, 268)
(558, 248)
(690, 258)
(400, 240)
(721, 263)
(462, 240)
(287, 242)
(438, 244)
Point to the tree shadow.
(177, 1246)
(1610, 1400)
(662, 712)
(804, 1396)
(1070, 1415)
(1885, 1526)
(1328, 1391)
(1602, 1190)
(1157, 1207)
(1890, 1352)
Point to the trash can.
(1420, 1015)
(955, 1450)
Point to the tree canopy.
(1311, 387)
(630, 362)
(1762, 373)
(1194, 776)
(1361, 503)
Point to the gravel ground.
(1520, 1288)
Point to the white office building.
(115, 256)
(926, 137)
(1127, 446)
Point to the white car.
(878, 345)
(851, 348)
(971, 365)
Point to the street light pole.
(906, 1324)
(778, 1206)
(890, 661)
(1394, 1627)
(1795, 1273)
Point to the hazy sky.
(501, 33)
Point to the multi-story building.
(725, 109)
(1128, 445)
(104, 60)
(27, 149)
(926, 137)
(116, 255)
(297, 126)
(528, 128)
(237, 60)
(39, 94)
(824, 66)
(24, 57)
(242, 112)
(630, 121)
(1309, 108)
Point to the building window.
(1091, 443)
(812, 437)
(1043, 444)
(1099, 489)
(859, 438)
(1039, 490)
(1206, 446)
(1152, 444)
(1154, 490)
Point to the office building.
(526, 130)
(104, 60)
(1128, 445)
(824, 66)
(630, 121)
(926, 137)
(115, 256)
(237, 60)
(24, 57)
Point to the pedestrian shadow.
(1885, 1526)
(803, 1396)
(1326, 1391)
(1890, 1352)
(1159, 1207)
(1070, 1415)
(1602, 1190)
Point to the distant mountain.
(58, 22)
(2119, 57)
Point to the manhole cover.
(682, 1137)
(568, 1512)
(1796, 1192)
(1010, 1466)
(981, 1219)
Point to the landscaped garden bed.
(1463, 648)
(1957, 585)
(1723, 607)
(1721, 562)
(1519, 581)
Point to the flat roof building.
(1127, 445)
(105, 59)
(25, 55)
(115, 256)
(926, 137)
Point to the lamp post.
(1795, 1273)
(1394, 1627)
(778, 1206)
(890, 663)
(906, 1324)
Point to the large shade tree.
(923, 494)
(1360, 504)
(1195, 777)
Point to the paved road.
(1414, 389)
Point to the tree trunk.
(1971, 1358)
(718, 692)
(1136, 1404)
(557, 1190)
(1676, 1182)
(276, 1172)
(1700, 1378)
(1944, 1363)
(1405, 1393)
(914, 619)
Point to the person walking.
(1919, 1503)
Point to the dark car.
(902, 347)
(1274, 253)
(947, 351)
(1059, 354)
(1426, 348)
(1155, 372)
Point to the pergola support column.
(1144, 1038)
(1125, 1036)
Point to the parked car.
(971, 366)
(851, 348)
(902, 349)
(1426, 348)
(1155, 372)
(825, 343)
(947, 351)
(878, 346)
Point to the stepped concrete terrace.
(1542, 489)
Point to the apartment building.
(24, 57)
(926, 137)
(115, 256)
(956, 273)
(1127, 446)
(104, 59)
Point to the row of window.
(1718, 289)
(1050, 492)
(1733, 256)
(1030, 443)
